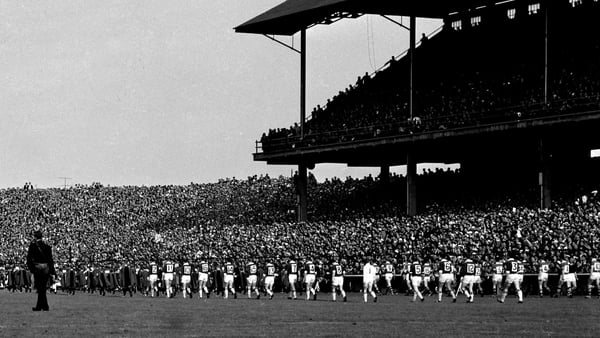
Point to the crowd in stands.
(252, 219)
(473, 76)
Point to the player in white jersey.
(594, 277)
(497, 277)
(390, 271)
(521, 272)
(446, 272)
(368, 278)
(203, 279)
(228, 279)
(186, 280)
(406, 276)
(416, 278)
(168, 275)
(337, 280)
(252, 279)
(270, 279)
(427, 271)
(153, 279)
(543, 269)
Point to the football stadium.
(507, 243)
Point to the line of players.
(464, 277)
(308, 274)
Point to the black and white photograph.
(270, 168)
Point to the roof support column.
(411, 164)
(546, 53)
(302, 81)
(302, 181)
(413, 28)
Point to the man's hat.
(37, 234)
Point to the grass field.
(84, 314)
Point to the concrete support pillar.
(411, 184)
(384, 175)
(302, 191)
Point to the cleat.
(520, 302)
(270, 297)
(315, 297)
(257, 296)
(499, 300)
(453, 300)
(375, 300)
(345, 299)
(588, 297)
(422, 299)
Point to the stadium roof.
(292, 16)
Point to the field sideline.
(390, 316)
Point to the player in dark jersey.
(479, 278)
(594, 278)
(389, 271)
(310, 272)
(446, 273)
(569, 276)
(337, 280)
(511, 268)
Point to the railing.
(424, 126)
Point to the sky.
(144, 92)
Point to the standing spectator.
(41, 264)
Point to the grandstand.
(488, 105)
(508, 89)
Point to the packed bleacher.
(252, 219)
(489, 73)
